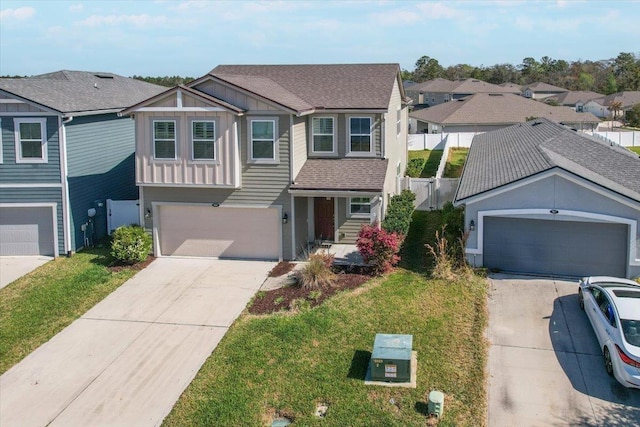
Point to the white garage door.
(565, 248)
(225, 232)
(26, 231)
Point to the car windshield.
(631, 330)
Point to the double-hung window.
(322, 135)
(203, 140)
(31, 141)
(360, 135)
(262, 140)
(164, 139)
(360, 207)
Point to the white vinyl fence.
(431, 193)
(437, 141)
(122, 212)
(626, 139)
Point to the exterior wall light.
(285, 218)
(472, 225)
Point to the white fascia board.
(334, 193)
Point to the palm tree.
(614, 107)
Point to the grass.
(455, 162)
(432, 160)
(635, 149)
(39, 305)
(286, 364)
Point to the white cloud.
(524, 23)
(19, 13)
(395, 17)
(437, 11)
(114, 20)
(76, 7)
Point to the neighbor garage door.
(207, 231)
(26, 231)
(555, 247)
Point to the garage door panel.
(26, 231)
(219, 232)
(555, 247)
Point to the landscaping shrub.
(453, 220)
(399, 213)
(317, 273)
(415, 167)
(449, 261)
(379, 248)
(130, 244)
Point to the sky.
(189, 38)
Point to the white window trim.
(175, 143)
(358, 215)
(276, 155)
(215, 159)
(398, 121)
(43, 136)
(333, 152)
(372, 148)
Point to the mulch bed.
(281, 299)
(114, 268)
(281, 269)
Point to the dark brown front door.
(323, 215)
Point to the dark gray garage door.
(555, 247)
(26, 231)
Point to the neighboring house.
(63, 152)
(600, 106)
(439, 91)
(575, 98)
(516, 88)
(260, 161)
(489, 111)
(542, 198)
(541, 90)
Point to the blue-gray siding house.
(63, 152)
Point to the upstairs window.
(360, 140)
(31, 142)
(323, 131)
(262, 141)
(203, 140)
(360, 207)
(164, 139)
(398, 121)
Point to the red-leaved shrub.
(379, 248)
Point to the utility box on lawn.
(391, 358)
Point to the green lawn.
(36, 307)
(432, 160)
(635, 149)
(455, 163)
(287, 363)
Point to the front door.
(323, 214)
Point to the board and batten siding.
(18, 106)
(100, 156)
(235, 97)
(29, 173)
(37, 195)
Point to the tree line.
(606, 76)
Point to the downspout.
(64, 172)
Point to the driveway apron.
(127, 360)
(545, 366)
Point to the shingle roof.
(543, 87)
(575, 96)
(515, 87)
(627, 98)
(461, 86)
(506, 108)
(507, 155)
(81, 91)
(341, 175)
(317, 86)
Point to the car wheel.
(608, 364)
(581, 299)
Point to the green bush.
(415, 167)
(130, 244)
(399, 213)
(453, 219)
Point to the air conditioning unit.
(391, 358)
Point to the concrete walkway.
(14, 267)
(128, 359)
(545, 366)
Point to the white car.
(613, 308)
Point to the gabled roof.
(542, 87)
(517, 152)
(515, 87)
(316, 87)
(342, 175)
(195, 93)
(575, 96)
(80, 92)
(490, 108)
(462, 86)
(627, 98)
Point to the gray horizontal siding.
(348, 228)
(25, 173)
(38, 195)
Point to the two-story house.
(63, 152)
(259, 161)
(439, 91)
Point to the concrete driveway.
(128, 359)
(545, 367)
(14, 267)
